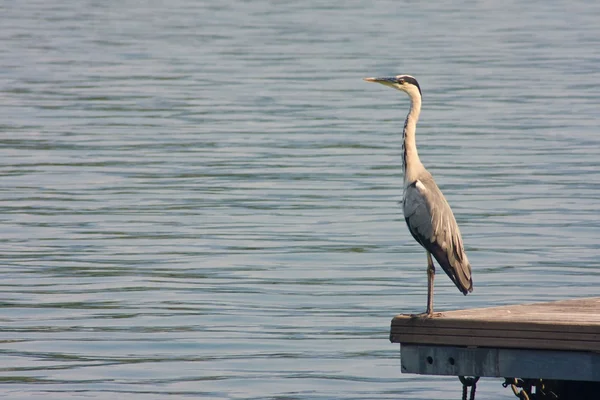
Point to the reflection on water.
(202, 199)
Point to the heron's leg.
(430, 277)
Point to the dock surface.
(572, 325)
(557, 340)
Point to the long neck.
(410, 158)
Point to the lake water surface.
(200, 199)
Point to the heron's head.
(405, 83)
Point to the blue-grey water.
(200, 199)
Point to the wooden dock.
(557, 341)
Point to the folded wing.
(431, 222)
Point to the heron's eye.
(401, 81)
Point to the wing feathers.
(431, 222)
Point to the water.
(199, 199)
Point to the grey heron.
(429, 217)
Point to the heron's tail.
(457, 267)
(463, 279)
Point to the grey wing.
(431, 222)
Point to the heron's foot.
(422, 315)
(426, 315)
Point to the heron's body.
(429, 217)
(431, 222)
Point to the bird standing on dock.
(426, 211)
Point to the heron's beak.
(388, 81)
